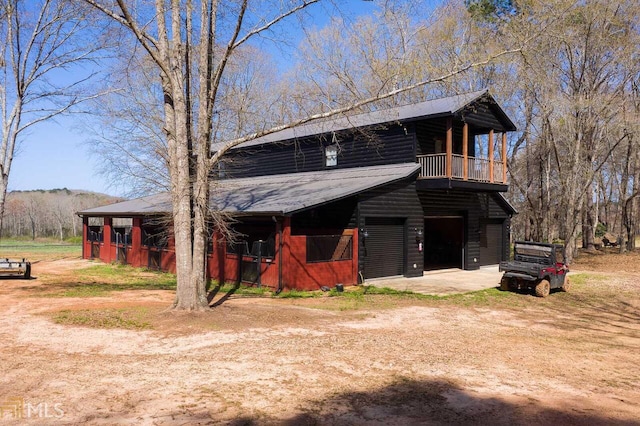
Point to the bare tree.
(128, 121)
(43, 40)
(574, 80)
(48, 213)
(127, 124)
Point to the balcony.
(478, 169)
(447, 168)
(479, 173)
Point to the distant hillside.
(49, 213)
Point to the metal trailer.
(15, 268)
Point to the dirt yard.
(493, 358)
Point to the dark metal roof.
(435, 107)
(277, 195)
(150, 205)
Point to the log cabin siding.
(483, 116)
(428, 131)
(399, 200)
(389, 145)
(326, 219)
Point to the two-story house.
(393, 192)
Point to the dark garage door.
(490, 242)
(443, 242)
(384, 247)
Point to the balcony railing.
(478, 169)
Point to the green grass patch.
(102, 279)
(386, 291)
(298, 294)
(82, 291)
(240, 290)
(364, 297)
(126, 277)
(582, 278)
(39, 249)
(131, 319)
(487, 297)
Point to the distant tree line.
(48, 213)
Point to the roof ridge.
(340, 122)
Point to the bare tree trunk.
(627, 222)
(4, 183)
(33, 227)
(588, 222)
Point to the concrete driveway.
(450, 281)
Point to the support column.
(355, 243)
(136, 243)
(449, 147)
(465, 151)
(287, 279)
(491, 156)
(105, 249)
(504, 157)
(86, 245)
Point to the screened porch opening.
(95, 235)
(253, 249)
(95, 229)
(253, 238)
(329, 248)
(154, 234)
(121, 230)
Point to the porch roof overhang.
(509, 208)
(278, 195)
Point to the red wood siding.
(223, 266)
(311, 276)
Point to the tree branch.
(235, 142)
(126, 19)
(273, 22)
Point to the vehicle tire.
(566, 286)
(504, 284)
(27, 272)
(543, 288)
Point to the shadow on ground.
(410, 402)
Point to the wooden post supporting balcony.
(491, 155)
(449, 147)
(465, 151)
(504, 157)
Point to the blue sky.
(54, 155)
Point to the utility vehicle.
(536, 266)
